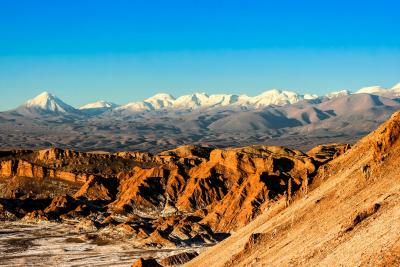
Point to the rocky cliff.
(350, 216)
(189, 195)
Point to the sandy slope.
(351, 218)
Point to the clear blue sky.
(120, 50)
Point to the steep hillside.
(350, 216)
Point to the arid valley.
(110, 208)
(199, 133)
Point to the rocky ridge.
(350, 216)
(189, 196)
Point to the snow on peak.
(310, 96)
(338, 94)
(203, 100)
(275, 97)
(161, 100)
(101, 104)
(40, 100)
(162, 96)
(48, 102)
(192, 101)
(378, 90)
(374, 90)
(136, 106)
(222, 99)
(396, 88)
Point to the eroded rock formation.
(349, 218)
(188, 196)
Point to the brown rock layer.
(179, 259)
(349, 218)
(187, 196)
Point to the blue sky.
(120, 50)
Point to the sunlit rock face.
(191, 195)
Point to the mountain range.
(244, 177)
(47, 102)
(162, 122)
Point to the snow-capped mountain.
(192, 101)
(396, 89)
(338, 94)
(271, 97)
(136, 106)
(379, 90)
(161, 100)
(373, 90)
(203, 100)
(47, 103)
(99, 105)
(310, 96)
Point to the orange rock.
(325, 153)
(354, 203)
(94, 189)
(6, 168)
(179, 259)
(61, 204)
(36, 215)
(186, 195)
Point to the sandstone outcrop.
(98, 188)
(325, 153)
(179, 259)
(349, 218)
(228, 188)
(67, 164)
(188, 196)
(23, 168)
